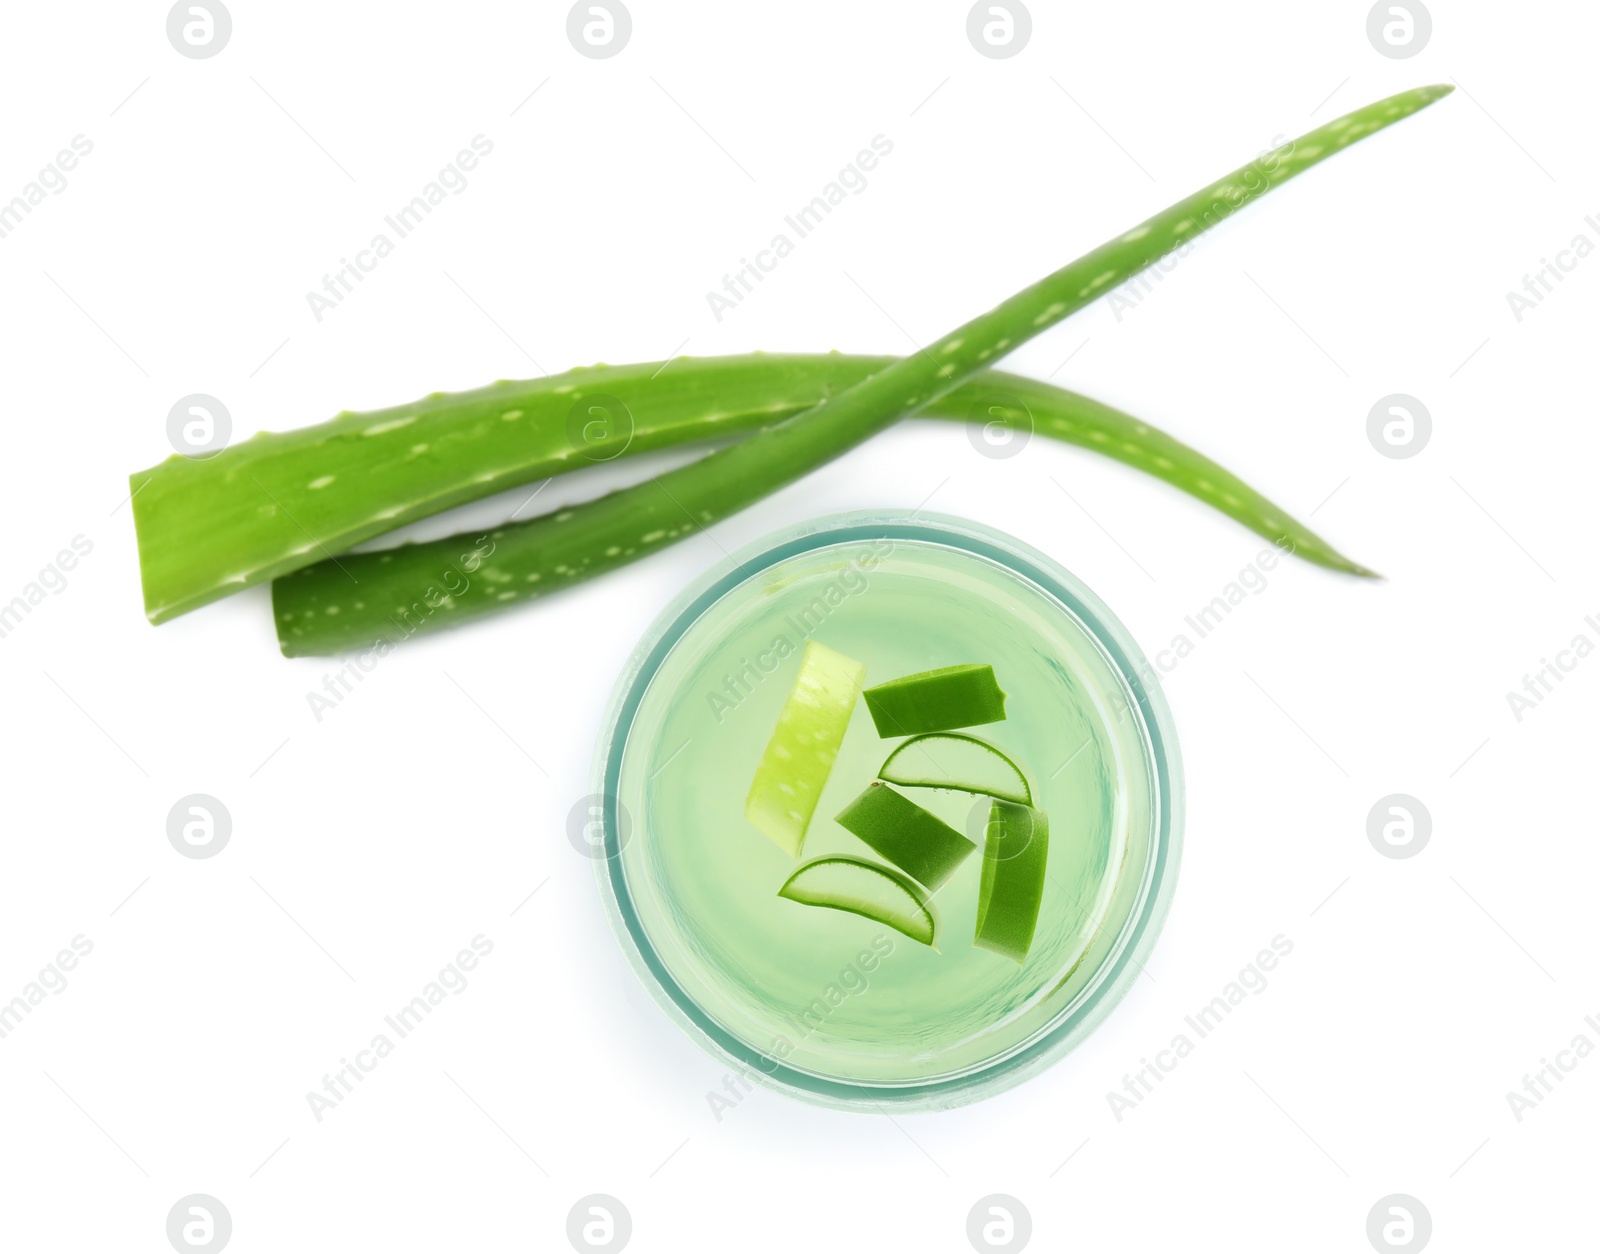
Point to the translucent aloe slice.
(893, 825)
(1015, 848)
(953, 696)
(963, 763)
(865, 888)
(811, 726)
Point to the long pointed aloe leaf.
(373, 598)
(282, 501)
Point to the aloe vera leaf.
(799, 757)
(1015, 849)
(874, 892)
(280, 501)
(954, 761)
(315, 609)
(214, 526)
(1033, 407)
(896, 828)
(939, 700)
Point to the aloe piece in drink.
(800, 753)
(1016, 848)
(873, 891)
(937, 700)
(897, 828)
(950, 760)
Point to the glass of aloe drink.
(890, 812)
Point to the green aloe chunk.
(1015, 849)
(897, 828)
(954, 761)
(953, 696)
(799, 756)
(865, 888)
(367, 599)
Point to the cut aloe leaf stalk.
(373, 597)
(961, 763)
(865, 888)
(919, 843)
(953, 696)
(285, 500)
(1015, 849)
(789, 780)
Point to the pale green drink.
(828, 1003)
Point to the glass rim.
(1116, 972)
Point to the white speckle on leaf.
(378, 428)
(1138, 232)
(321, 482)
(511, 415)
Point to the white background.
(369, 847)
